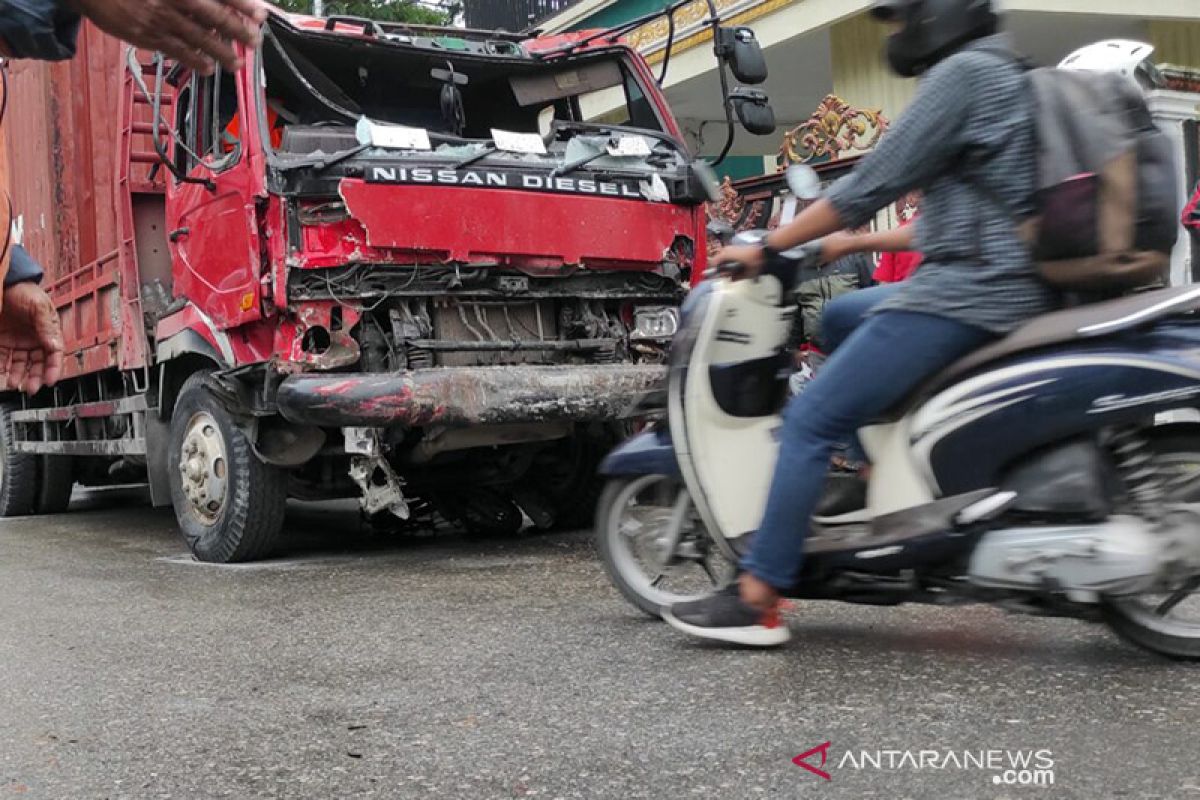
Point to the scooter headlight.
(655, 322)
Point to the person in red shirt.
(1191, 216)
(895, 267)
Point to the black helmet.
(933, 29)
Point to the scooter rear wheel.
(1168, 624)
(654, 548)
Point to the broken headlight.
(655, 322)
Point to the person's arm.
(197, 33)
(919, 147)
(41, 29)
(894, 240)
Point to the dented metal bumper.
(463, 396)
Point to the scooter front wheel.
(653, 544)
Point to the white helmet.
(1122, 56)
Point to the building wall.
(860, 76)
(1176, 42)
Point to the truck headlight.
(655, 322)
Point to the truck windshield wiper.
(488, 150)
(565, 169)
(321, 163)
(600, 127)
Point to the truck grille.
(492, 322)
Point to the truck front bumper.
(465, 396)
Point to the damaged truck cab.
(428, 268)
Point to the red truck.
(429, 268)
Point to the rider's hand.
(31, 343)
(749, 260)
(193, 32)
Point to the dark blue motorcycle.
(1055, 472)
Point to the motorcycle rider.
(967, 141)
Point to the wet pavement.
(365, 665)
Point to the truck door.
(212, 224)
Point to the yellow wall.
(1176, 42)
(860, 76)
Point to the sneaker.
(725, 617)
(843, 494)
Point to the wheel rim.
(1177, 612)
(659, 545)
(204, 467)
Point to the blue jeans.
(876, 366)
(841, 317)
(845, 313)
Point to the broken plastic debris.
(512, 142)
(629, 147)
(393, 137)
(582, 147)
(655, 190)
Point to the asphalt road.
(361, 666)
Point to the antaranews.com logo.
(1007, 767)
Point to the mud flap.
(158, 435)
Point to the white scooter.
(1029, 475)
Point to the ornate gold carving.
(654, 34)
(836, 129)
(1181, 79)
(732, 209)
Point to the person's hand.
(837, 245)
(193, 32)
(749, 260)
(31, 343)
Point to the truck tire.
(230, 506)
(566, 476)
(56, 480)
(18, 471)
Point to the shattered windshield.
(319, 89)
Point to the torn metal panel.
(456, 397)
(380, 485)
(318, 337)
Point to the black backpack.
(1108, 191)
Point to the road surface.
(445, 667)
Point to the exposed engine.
(1124, 555)
(434, 317)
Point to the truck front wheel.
(230, 505)
(18, 471)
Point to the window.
(323, 83)
(184, 133)
(221, 127)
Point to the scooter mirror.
(803, 181)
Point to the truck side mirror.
(739, 48)
(753, 110)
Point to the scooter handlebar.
(784, 266)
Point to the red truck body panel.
(500, 226)
(74, 198)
